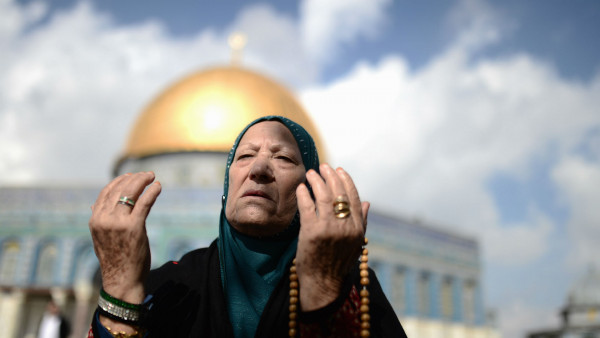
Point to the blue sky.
(477, 115)
(559, 32)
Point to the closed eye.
(286, 159)
(243, 156)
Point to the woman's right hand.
(119, 234)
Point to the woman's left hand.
(328, 246)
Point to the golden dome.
(206, 110)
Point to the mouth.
(256, 193)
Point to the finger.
(323, 196)
(365, 212)
(306, 206)
(131, 188)
(104, 193)
(136, 184)
(334, 182)
(146, 201)
(349, 186)
(354, 199)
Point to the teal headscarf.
(252, 267)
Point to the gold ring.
(126, 201)
(341, 208)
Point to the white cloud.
(63, 80)
(73, 86)
(476, 24)
(274, 46)
(518, 244)
(15, 17)
(428, 141)
(326, 25)
(579, 180)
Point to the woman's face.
(266, 169)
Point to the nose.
(261, 170)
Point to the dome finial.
(237, 42)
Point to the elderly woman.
(285, 262)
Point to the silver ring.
(126, 201)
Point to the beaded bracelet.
(365, 318)
(118, 310)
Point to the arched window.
(8, 265)
(46, 264)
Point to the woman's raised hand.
(119, 234)
(328, 246)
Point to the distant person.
(54, 324)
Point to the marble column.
(84, 291)
(11, 311)
(59, 296)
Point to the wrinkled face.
(266, 169)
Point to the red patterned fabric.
(90, 333)
(345, 322)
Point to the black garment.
(188, 301)
(65, 328)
